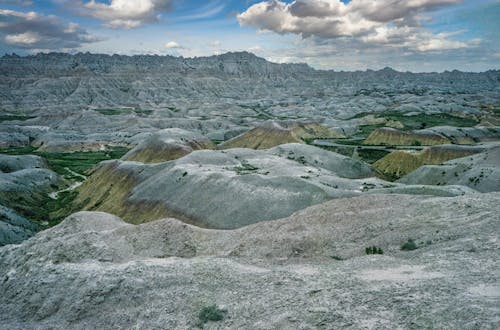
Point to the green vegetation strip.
(14, 117)
(78, 162)
(72, 166)
(124, 111)
(424, 121)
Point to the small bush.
(409, 245)
(210, 313)
(374, 250)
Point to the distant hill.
(95, 80)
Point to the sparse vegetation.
(423, 120)
(124, 111)
(78, 162)
(210, 313)
(416, 143)
(374, 250)
(409, 245)
(73, 166)
(245, 168)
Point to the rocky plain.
(229, 192)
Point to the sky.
(407, 35)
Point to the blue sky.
(414, 35)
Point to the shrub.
(409, 245)
(374, 250)
(210, 313)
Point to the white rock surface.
(95, 271)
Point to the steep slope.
(274, 133)
(394, 137)
(168, 144)
(480, 172)
(224, 189)
(467, 135)
(25, 182)
(401, 162)
(306, 271)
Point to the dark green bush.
(409, 245)
(374, 250)
(210, 313)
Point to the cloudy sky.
(414, 35)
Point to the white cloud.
(390, 23)
(124, 13)
(31, 30)
(173, 45)
(26, 38)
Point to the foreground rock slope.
(307, 271)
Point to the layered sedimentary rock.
(168, 144)
(225, 189)
(480, 172)
(394, 137)
(401, 162)
(273, 133)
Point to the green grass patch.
(365, 130)
(371, 156)
(418, 121)
(80, 161)
(42, 209)
(28, 150)
(422, 120)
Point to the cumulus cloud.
(173, 45)
(123, 13)
(392, 23)
(30, 30)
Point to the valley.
(138, 191)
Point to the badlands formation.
(152, 191)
